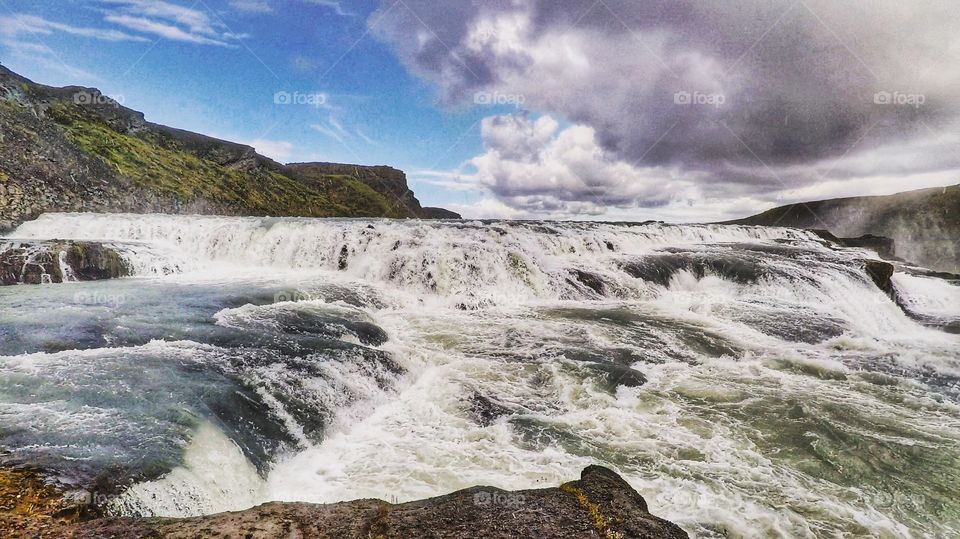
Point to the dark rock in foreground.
(54, 261)
(600, 504)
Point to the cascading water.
(741, 378)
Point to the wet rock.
(661, 267)
(880, 273)
(94, 261)
(614, 376)
(485, 410)
(600, 504)
(885, 247)
(590, 280)
(56, 261)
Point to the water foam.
(745, 425)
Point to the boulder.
(56, 261)
(880, 273)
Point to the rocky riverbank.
(600, 504)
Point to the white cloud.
(166, 31)
(488, 208)
(535, 166)
(329, 132)
(155, 18)
(14, 27)
(798, 81)
(194, 20)
(363, 136)
(534, 169)
(169, 21)
(334, 5)
(251, 6)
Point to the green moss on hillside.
(359, 198)
(171, 171)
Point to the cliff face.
(73, 149)
(924, 224)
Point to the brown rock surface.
(601, 504)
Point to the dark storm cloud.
(746, 90)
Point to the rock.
(880, 273)
(590, 280)
(600, 504)
(614, 376)
(429, 212)
(485, 410)
(56, 261)
(91, 261)
(885, 247)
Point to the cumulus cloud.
(728, 97)
(533, 165)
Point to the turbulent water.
(747, 381)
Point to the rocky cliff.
(924, 224)
(74, 149)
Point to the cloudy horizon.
(582, 109)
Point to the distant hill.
(74, 149)
(924, 224)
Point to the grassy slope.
(171, 171)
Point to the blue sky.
(580, 109)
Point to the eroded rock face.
(54, 261)
(600, 504)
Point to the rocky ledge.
(56, 261)
(601, 504)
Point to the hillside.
(73, 149)
(924, 224)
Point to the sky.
(677, 110)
